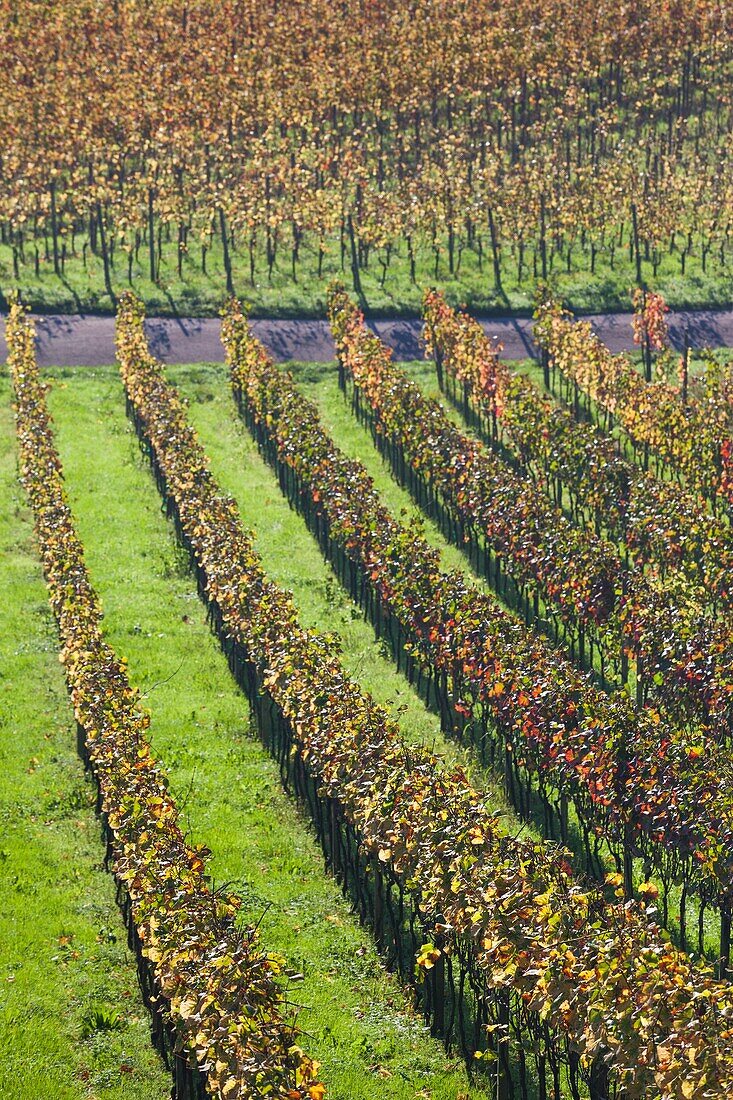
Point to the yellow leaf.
(187, 1007)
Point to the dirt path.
(89, 341)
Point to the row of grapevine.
(660, 525)
(577, 576)
(686, 655)
(690, 433)
(570, 980)
(217, 1003)
(629, 777)
(482, 503)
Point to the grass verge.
(195, 292)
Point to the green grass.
(63, 951)
(81, 288)
(357, 1018)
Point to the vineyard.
(367, 724)
(495, 693)
(482, 146)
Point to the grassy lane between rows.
(72, 1023)
(319, 383)
(355, 439)
(357, 1018)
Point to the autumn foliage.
(604, 983)
(514, 137)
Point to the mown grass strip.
(72, 1023)
(356, 1017)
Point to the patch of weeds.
(174, 562)
(100, 1018)
(67, 803)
